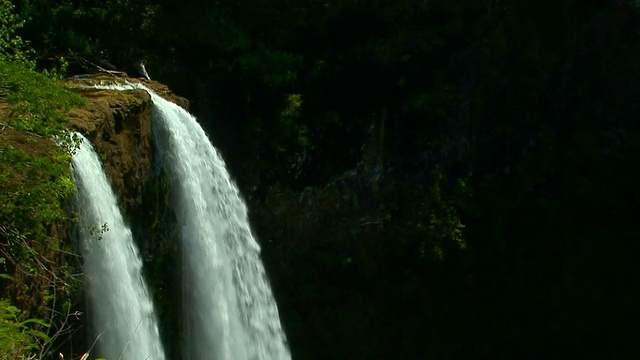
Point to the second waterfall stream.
(230, 312)
(123, 320)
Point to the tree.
(12, 47)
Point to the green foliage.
(12, 46)
(33, 189)
(18, 338)
(36, 100)
(35, 185)
(433, 216)
(292, 133)
(79, 26)
(274, 68)
(15, 342)
(98, 232)
(292, 109)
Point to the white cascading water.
(229, 309)
(123, 317)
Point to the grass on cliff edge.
(35, 184)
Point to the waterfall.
(123, 317)
(229, 309)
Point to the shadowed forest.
(428, 179)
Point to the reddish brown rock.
(118, 123)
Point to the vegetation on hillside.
(35, 185)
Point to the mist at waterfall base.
(229, 309)
(122, 314)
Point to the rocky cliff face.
(119, 125)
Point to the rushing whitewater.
(229, 309)
(123, 317)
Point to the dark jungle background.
(444, 179)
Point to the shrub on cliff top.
(35, 100)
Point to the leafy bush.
(17, 338)
(12, 47)
(15, 342)
(35, 99)
(433, 217)
(35, 182)
(33, 187)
